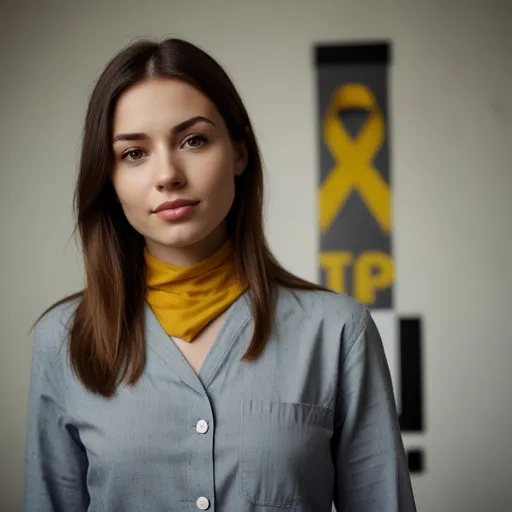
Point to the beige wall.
(451, 111)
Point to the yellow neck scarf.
(186, 300)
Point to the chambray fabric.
(312, 422)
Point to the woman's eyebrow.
(175, 130)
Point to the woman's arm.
(371, 466)
(55, 460)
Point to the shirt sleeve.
(372, 473)
(55, 460)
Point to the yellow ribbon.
(354, 170)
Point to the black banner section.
(411, 418)
(415, 461)
(377, 53)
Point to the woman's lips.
(175, 210)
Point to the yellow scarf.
(185, 300)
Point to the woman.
(193, 372)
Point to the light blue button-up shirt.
(311, 422)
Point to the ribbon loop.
(354, 170)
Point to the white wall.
(451, 111)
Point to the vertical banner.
(355, 219)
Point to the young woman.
(193, 372)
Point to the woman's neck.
(188, 255)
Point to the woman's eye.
(132, 155)
(195, 141)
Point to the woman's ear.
(241, 157)
(242, 152)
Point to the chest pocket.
(285, 456)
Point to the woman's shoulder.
(52, 329)
(333, 310)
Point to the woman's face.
(175, 166)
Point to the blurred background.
(450, 117)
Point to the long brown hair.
(107, 345)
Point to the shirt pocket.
(284, 452)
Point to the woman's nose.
(170, 175)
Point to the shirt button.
(202, 428)
(202, 503)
